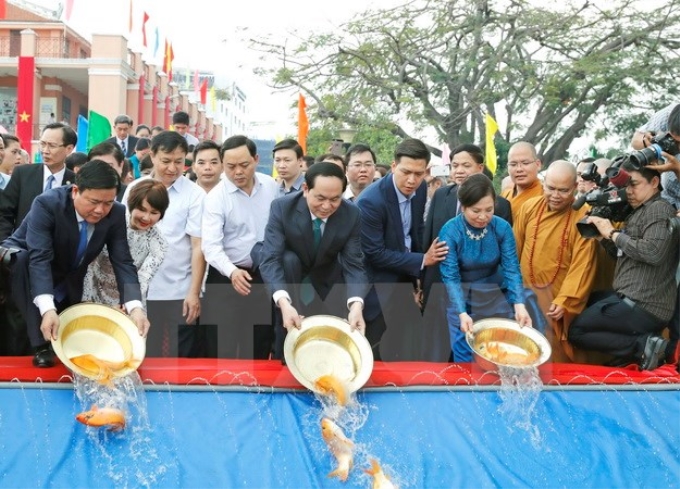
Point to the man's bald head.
(523, 165)
(559, 185)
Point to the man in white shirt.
(173, 299)
(180, 122)
(360, 164)
(234, 218)
(288, 162)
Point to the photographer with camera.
(665, 120)
(628, 322)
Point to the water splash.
(519, 393)
(129, 457)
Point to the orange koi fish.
(499, 354)
(114, 418)
(330, 384)
(104, 370)
(380, 480)
(340, 446)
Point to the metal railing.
(46, 47)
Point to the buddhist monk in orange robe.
(556, 261)
(523, 167)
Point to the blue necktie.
(50, 182)
(405, 211)
(123, 147)
(82, 243)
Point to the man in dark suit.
(391, 237)
(122, 125)
(64, 231)
(28, 181)
(466, 160)
(312, 242)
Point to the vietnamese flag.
(25, 85)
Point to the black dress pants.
(615, 325)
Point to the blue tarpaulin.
(439, 439)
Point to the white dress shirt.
(234, 221)
(58, 177)
(182, 221)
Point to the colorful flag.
(99, 129)
(213, 100)
(204, 91)
(145, 19)
(68, 10)
(197, 86)
(83, 126)
(156, 43)
(491, 129)
(303, 123)
(3, 9)
(167, 60)
(25, 86)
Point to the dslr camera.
(662, 142)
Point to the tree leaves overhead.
(544, 71)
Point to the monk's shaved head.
(562, 168)
(559, 185)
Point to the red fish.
(112, 417)
(330, 384)
(380, 480)
(340, 446)
(102, 369)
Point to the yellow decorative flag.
(490, 157)
(213, 100)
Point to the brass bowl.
(101, 331)
(326, 345)
(498, 342)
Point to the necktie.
(82, 243)
(405, 209)
(50, 182)
(122, 146)
(306, 288)
(316, 227)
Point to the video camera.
(607, 200)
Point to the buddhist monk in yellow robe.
(523, 167)
(557, 263)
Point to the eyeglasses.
(357, 166)
(50, 146)
(515, 164)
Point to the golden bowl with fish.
(326, 346)
(98, 341)
(498, 342)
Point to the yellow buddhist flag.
(490, 157)
(213, 100)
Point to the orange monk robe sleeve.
(578, 282)
(519, 226)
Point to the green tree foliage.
(546, 71)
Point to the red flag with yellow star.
(26, 80)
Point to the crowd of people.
(211, 258)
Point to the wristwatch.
(611, 233)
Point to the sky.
(211, 35)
